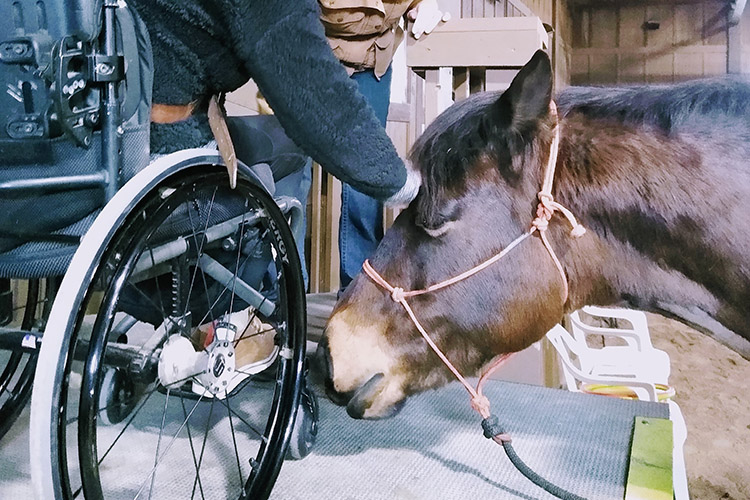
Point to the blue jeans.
(361, 223)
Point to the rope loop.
(493, 430)
(397, 294)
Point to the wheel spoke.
(192, 452)
(169, 446)
(199, 246)
(158, 443)
(234, 438)
(222, 292)
(225, 402)
(205, 438)
(237, 262)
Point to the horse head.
(481, 163)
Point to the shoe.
(238, 345)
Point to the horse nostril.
(364, 396)
(323, 359)
(325, 364)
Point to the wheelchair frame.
(277, 301)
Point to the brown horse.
(656, 174)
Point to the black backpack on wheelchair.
(177, 333)
(54, 175)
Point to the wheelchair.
(164, 322)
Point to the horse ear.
(527, 99)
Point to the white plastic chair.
(636, 357)
(615, 367)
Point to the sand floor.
(713, 391)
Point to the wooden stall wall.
(653, 41)
(556, 14)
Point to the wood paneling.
(603, 28)
(663, 37)
(648, 41)
(631, 27)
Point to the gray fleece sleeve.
(287, 55)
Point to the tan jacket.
(364, 34)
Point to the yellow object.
(650, 471)
(663, 392)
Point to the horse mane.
(454, 141)
(663, 106)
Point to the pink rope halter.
(544, 212)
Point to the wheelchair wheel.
(179, 367)
(305, 431)
(18, 365)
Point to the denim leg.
(361, 223)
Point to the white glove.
(426, 15)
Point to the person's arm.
(286, 52)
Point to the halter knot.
(481, 405)
(547, 207)
(397, 294)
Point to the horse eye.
(434, 224)
(439, 224)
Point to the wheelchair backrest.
(50, 116)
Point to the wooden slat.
(460, 83)
(688, 65)
(602, 68)
(714, 64)
(650, 471)
(603, 27)
(631, 68)
(319, 307)
(631, 33)
(660, 68)
(688, 27)
(477, 8)
(456, 43)
(431, 88)
(476, 80)
(314, 229)
(714, 24)
(499, 79)
(663, 37)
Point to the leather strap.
(218, 123)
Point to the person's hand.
(426, 15)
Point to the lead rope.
(546, 208)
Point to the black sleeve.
(284, 47)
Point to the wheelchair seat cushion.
(261, 139)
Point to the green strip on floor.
(650, 472)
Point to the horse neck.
(639, 195)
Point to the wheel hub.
(219, 368)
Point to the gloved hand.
(426, 15)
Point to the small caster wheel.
(305, 429)
(117, 396)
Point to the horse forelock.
(455, 142)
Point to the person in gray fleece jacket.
(207, 47)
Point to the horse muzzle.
(364, 402)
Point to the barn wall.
(653, 42)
